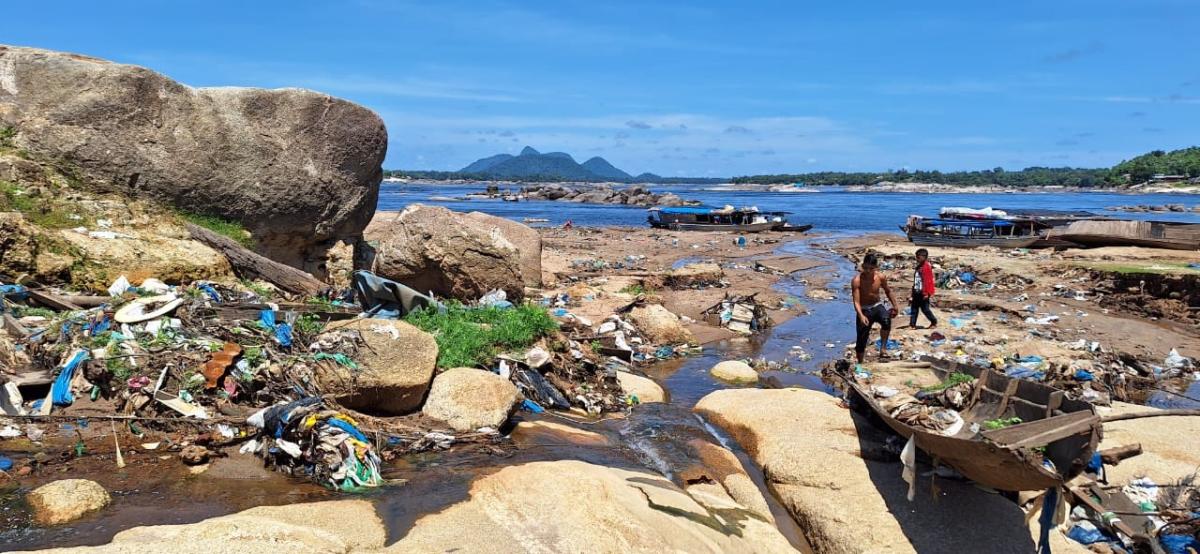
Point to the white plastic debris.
(154, 285)
(119, 286)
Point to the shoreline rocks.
(660, 325)
(644, 388)
(524, 238)
(66, 500)
(1165, 208)
(299, 169)
(635, 195)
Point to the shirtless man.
(870, 308)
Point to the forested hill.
(1185, 162)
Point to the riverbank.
(701, 497)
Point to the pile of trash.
(305, 438)
(741, 314)
(630, 262)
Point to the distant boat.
(961, 233)
(708, 218)
(535, 220)
(512, 198)
(445, 199)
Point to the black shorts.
(878, 313)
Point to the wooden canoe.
(1054, 428)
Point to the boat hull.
(948, 241)
(742, 228)
(1003, 459)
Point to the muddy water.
(653, 437)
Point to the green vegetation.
(1000, 423)
(119, 368)
(261, 290)
(7, 134)
(954, 379)
(309, 324)
(25, 311)
(220, 226)
(1185, 162)
(470, 337)
(37, 210)
(635, 289)
(1028, 177)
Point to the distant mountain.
(647, 178)
(601, 167)
(552, 165)
(481, 166)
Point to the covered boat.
(1152, 234)
(708, 218)
(965, 233)
(1040, 221)
(1001, 432)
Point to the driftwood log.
(1113, 456)
(249, 265)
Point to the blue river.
(831, 209)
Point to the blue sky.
(693, 88)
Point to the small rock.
(194, 455)
(467, 399)
(645, 389)
(660, 325)
(735, 371)
(66, 500)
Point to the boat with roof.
(710, 218)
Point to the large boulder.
(299, 169)
(432, 249)
(524, 238)
(396, 366)
(660, 325)
(829, 468)
(66, 500)
(467, 399)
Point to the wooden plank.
(1043, 431)
(52, 301)
(14, 327)
(1056, 399)
(1008, 392)
(255, 266)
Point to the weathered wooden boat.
(1151, 234)
(1052, 442)
(959, 233)
(707, 218)
(789, 228)
(1039, 221)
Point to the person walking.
(922, 291)
(869, 307)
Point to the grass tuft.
(954, 379)
(220, 226)
(471, 337)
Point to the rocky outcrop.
(643, 388)
(66, 500)
(592, 509)
(467, 399)
(660, 325)
(606, 194)
(562, 506)
(734, 371)
(335, 526)
(703, 274)
(829, 468)
(397, 363)
(524, 238)
(298, 168)
(432, 249)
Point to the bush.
(471, 337)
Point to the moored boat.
(707, 218)
(960, 233)
(1001, 432)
